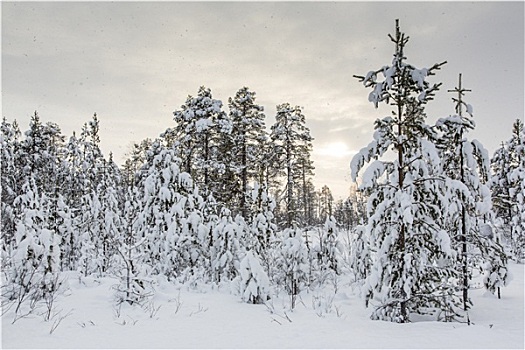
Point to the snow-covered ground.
(202, 317)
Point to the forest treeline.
(219, 198)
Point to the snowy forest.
(225, 198)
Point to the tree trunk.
(464, 262)
(402, 231)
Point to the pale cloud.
(134, 63)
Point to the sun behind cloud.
(336, 149)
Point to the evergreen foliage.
(405, 229)
(293, 145)
(508, 164)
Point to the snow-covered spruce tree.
(91, 257)
(468, 163)
(518, 220)
(324, 254)
(261, 222)
(248, 134)
(361, 259)
(42, 159)
(171, 221)
(67, 229)
(136, 157)
(408, 241)
(71, 209)
(225, 250)
(500, 190)
(254, 285)
(111, 215)
(260, 228)
(293, 144)
(100, 213)
(496, 274)
(329, 251)
(506, 184)
(291, 272)
(42, 145)
(135, 285)
(34, 263)
(10, 153)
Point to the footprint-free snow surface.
(198, 316)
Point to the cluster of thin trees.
(218, 198)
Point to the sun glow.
(335, 149)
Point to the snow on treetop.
(418, 76)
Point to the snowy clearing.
(201, 317)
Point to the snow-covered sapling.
(254, 285)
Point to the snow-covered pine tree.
(269, 169)
(304, 190)
(258, 230)
(223, 179)
(248, 134)
(196, 122)
(42, 159)
(406, 206)
(293, 145)
(324, 254)
(517, 180)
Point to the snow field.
(182, 316)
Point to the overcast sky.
(135, 63)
